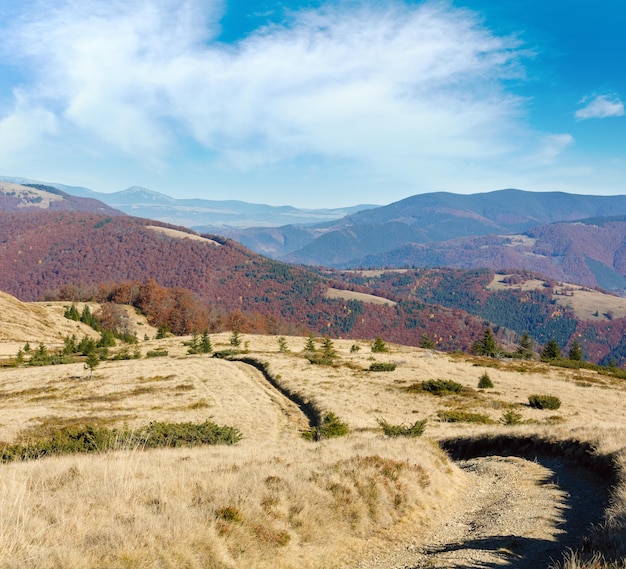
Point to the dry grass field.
(275, 499)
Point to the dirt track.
(515, 513)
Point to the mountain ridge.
(203, 215)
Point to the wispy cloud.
(333, 81)
(396, 91)
(600, 107)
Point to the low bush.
(318, 358)
(157, 353)
(225, 354)
(92, 438)
(382, 366)
(331, 427)
(544, 401)
(414, 430)
(441, 386)
(459, 416)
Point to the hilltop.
(20, 197)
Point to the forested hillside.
(546, 313)
(589, 252)
(78, 256)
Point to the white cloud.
(380, 85)
(551, 147)
(413, 96)
(27, 125)
(600, 107)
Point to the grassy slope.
(274, 500)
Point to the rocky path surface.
(514, 513)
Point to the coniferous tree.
(194, 344)
(426, 342)
(71, 313)
(487, 346)
(69, 345)
(282, 344)
(525, 348)
(235, 339)
(92, 362)
(551, 351)
(19, 358)
(575, 352)
(205, 343)
(328, 348)
(310, 344)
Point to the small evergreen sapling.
(310, 344)
(426, 342)
(235, 339)
(379, 346)
(485, 381)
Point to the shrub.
(382, 366)
(229, 514)
(459, 416)
(158, 434)
(225, 354)
(414, 430)
(331, 427)
(544, 401)
(91, 438)
(510, 417)
(485, 381)
(320, 359)
(157, 353)
(441, 386)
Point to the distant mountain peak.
(144, 193)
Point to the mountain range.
(201, 214)
(573, 238)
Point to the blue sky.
(312, 103)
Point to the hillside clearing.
(586, 303)
(352, 295)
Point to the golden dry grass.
(587, 304)
(363, 297)
(181, 234)
(274, 499)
